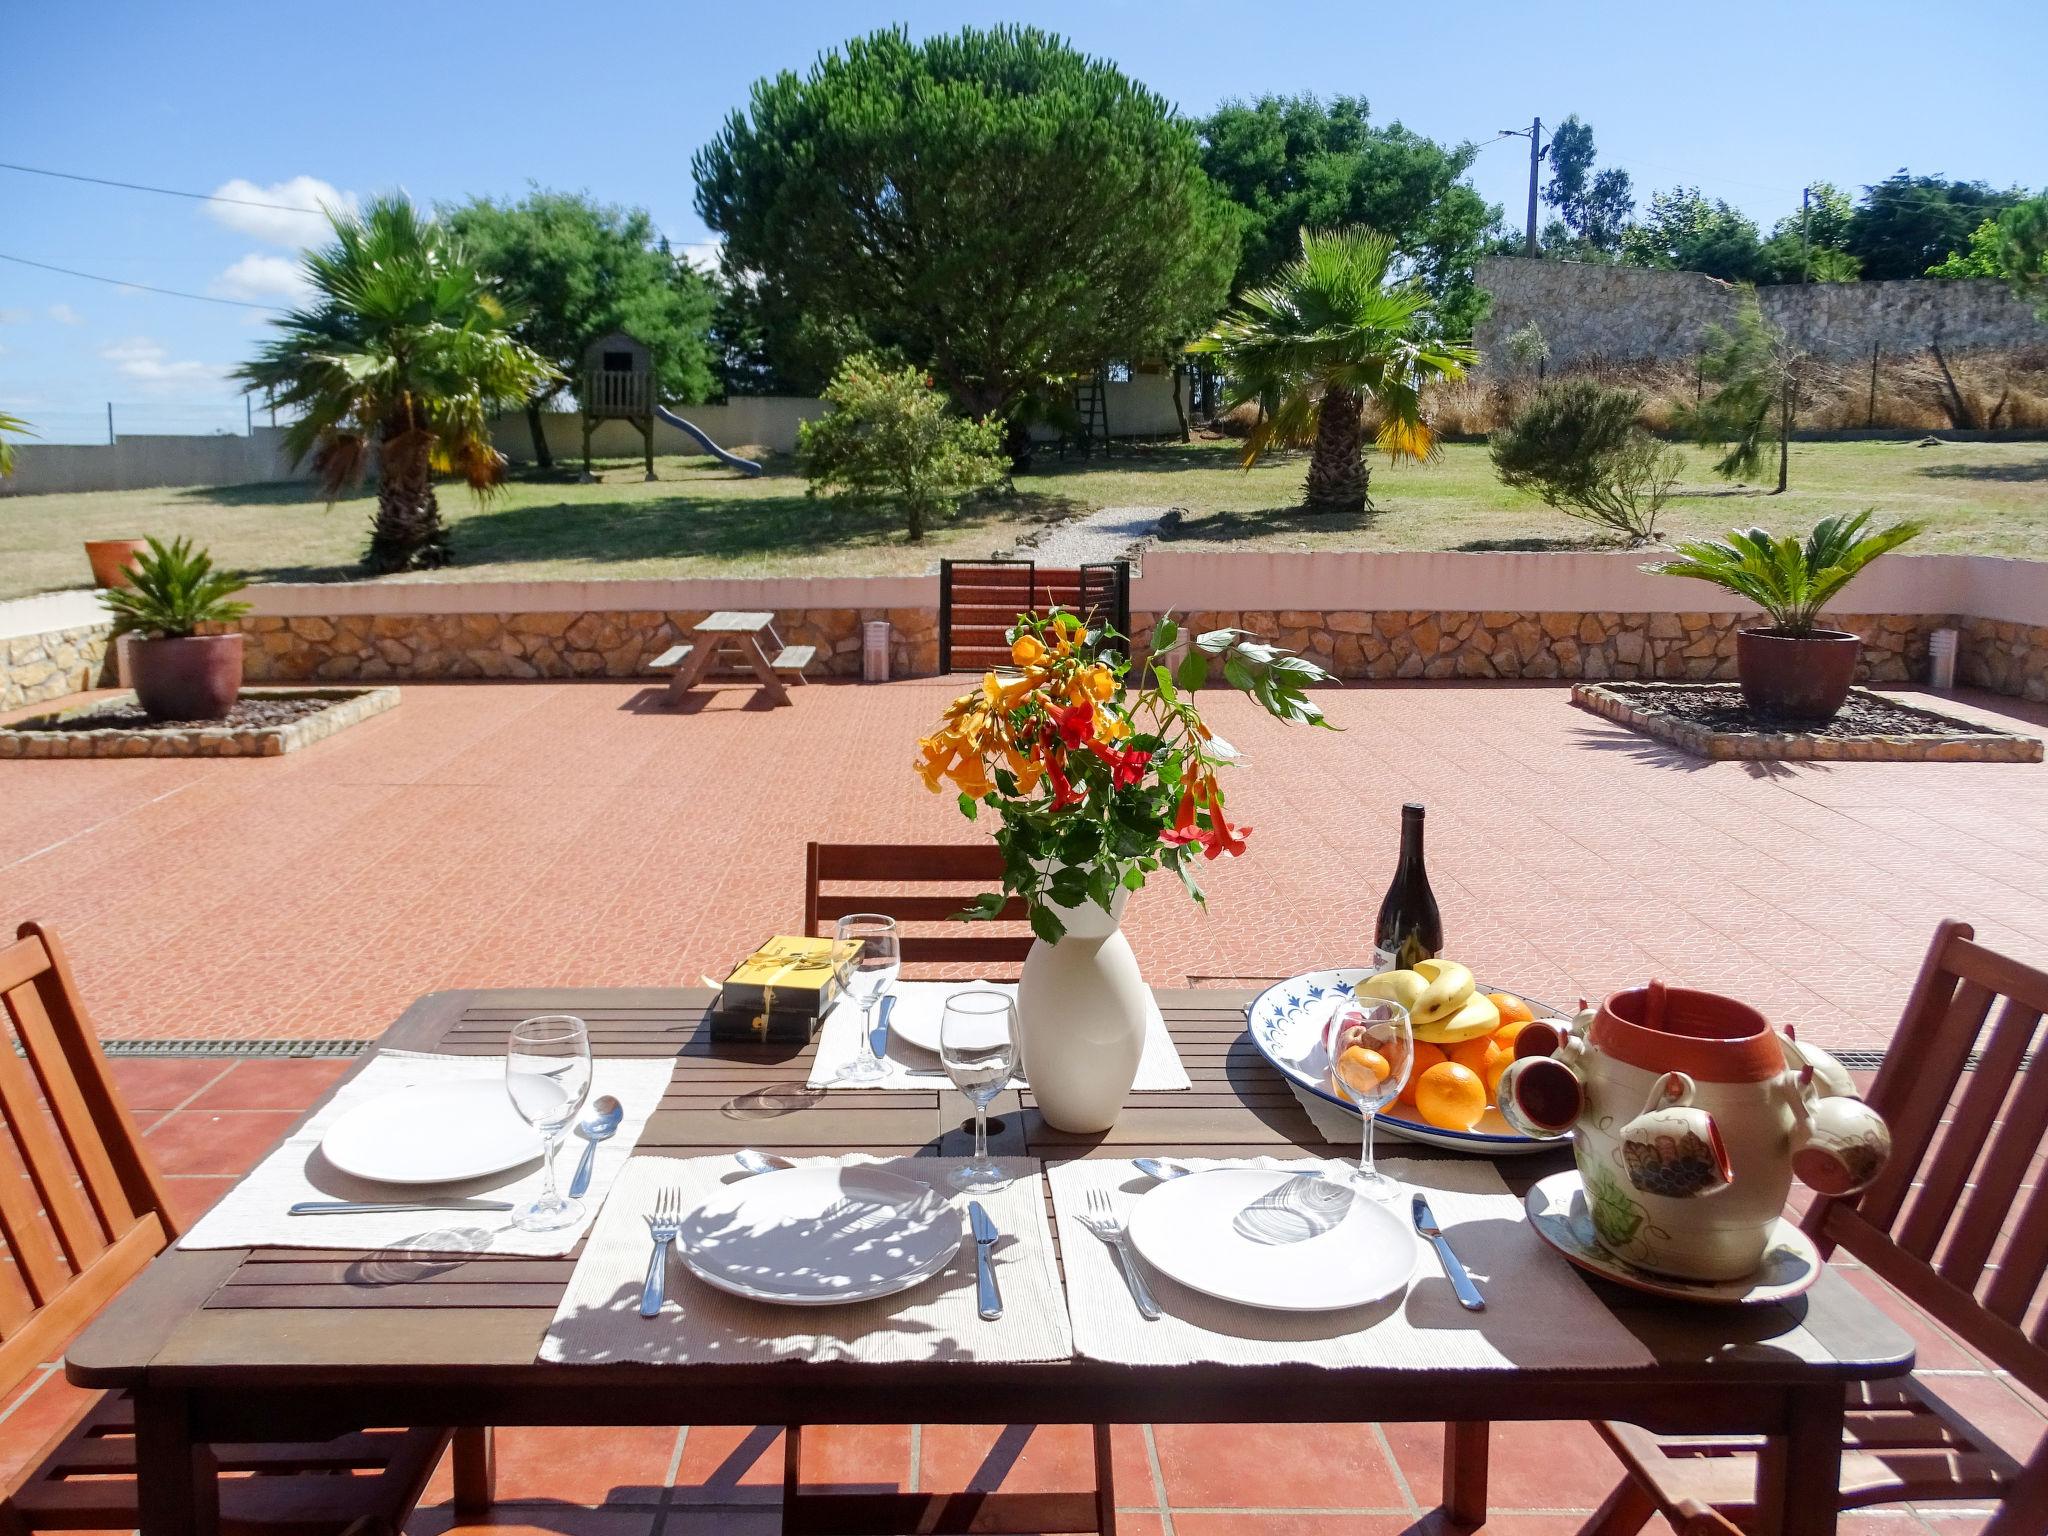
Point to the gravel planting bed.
(265, 722)
(1711, 720)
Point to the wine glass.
(978, 1048)
(1372, 1051)
(547, 1075)
(875, 956)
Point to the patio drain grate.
(273, 1048)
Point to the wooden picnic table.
(755, 647)
(276, 1343)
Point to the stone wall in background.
(1392, 643)
(2006, 658)
(1622, 314)
(441, 646)
(50, 665)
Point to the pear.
(1475, 1017)
(1449, 986)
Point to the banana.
(1449, 986)
(1403, 987)
(1475, 1017)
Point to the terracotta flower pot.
(110, 559)
(197, 678)
(1796, 677)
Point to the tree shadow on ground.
(1252, 523)
(1156, 458)
(2024, 470)
(1528, 544)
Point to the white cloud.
(150, 364)
(64, 314)
(13, 316)
(292, 217)
(262, 277)
(702, 254)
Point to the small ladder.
(1091, 406)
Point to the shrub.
(891, 440)
(1576, 445)
(172, 591)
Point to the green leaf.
(1165, 681)
(1047, 926)
(968, 807)
(1134, 878)
(1164, 633)
(1194, 670)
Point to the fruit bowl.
(1287, 1023)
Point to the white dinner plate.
(1268, 1238)
(821, 1237)
(1286, 1024)
(916, 1010)
(434, 1133)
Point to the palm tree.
(19, 428)
(1333, 330)
(404, 351)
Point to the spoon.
(760, 1162)
(603, 1120)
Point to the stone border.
(350, 706)
(1980, 745)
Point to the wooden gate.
(980, 599)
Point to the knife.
(369, 1208)
(985, 1235)
(1461, 1282)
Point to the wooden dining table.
(270, 1344)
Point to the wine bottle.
(1409, 928)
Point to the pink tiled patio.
(574, 835)
(578, 834)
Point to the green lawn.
(699, 519)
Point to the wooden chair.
(1949, 1225)
(882, 871)
(83, 1210)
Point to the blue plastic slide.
(731, 460)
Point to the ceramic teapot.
(1689, 1117)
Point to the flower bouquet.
(1100, 775)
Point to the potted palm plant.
(173, 592)
(1791, 668)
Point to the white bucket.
(874, 651)
(1941, 660)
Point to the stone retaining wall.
(1393, 643)
(53, 664)
(2006, 658)
(426, 646)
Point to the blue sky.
(449, 100)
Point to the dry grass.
(700, 520)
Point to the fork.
(664, 1225)
(1101, 1218)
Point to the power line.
(122, 282)
(136, 186)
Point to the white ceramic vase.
(1082, 1008)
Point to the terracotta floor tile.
(147, 1083)
(1275, 1466)
(1993, 1407)
(193, 1195)
(271, 1085)
(230, 1142)
(34, 1417)
(1260, 1523)
(853, 1457)
(586, 1466)
(1531, 1465)
(536, 1520)
(1032, 1458)
(729, 1464)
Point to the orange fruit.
(1426, 1056)
(1487, 1058)
(1507, 1032)
(1362, 1069)
(1512, 1009)
(1451, 1097)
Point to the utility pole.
(1805, 236)
(110, 423)
(1534, 134)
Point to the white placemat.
(252, 1214)
(907, 1067)
(1539, 1313)
(599, 1320)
